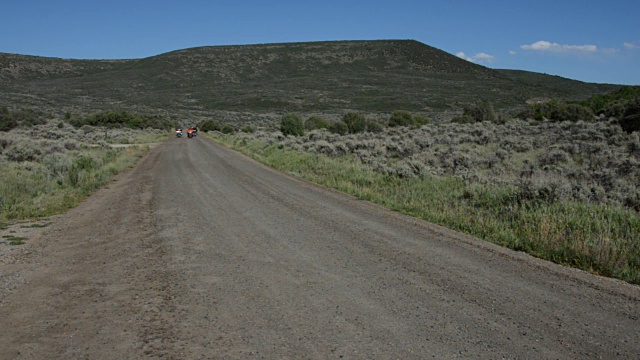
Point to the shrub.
(116, 119)
(576, 112)
(464, 119)
(613, 103)
(292, 124)
(356, 122)
(559, 111)
(554, 157)
(420, 120)
(24, 151)
(401, 118)
(339, 128)
(84, 162)
(480, 111)
(78, 166)
(209, 125)
(228, 129)
(7, 122)
(374, 127)
(29, 117)
(631, 119)
(22, 118)
(315, 122)
(248, 129)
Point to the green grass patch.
(597, 238)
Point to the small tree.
(292, 124)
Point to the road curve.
(201, 253)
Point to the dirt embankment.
(200, 253)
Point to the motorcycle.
(178, 133)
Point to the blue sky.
(593, 41)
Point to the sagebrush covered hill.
(356, 75)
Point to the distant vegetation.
(622, 104)
(478, 112)
(362, 76)
(122, 119)
(406, 118)
(209, 125)
(559, 111)
(25, 118)
(615, 103)
(112, 119)
(316, 122)
(350, 123)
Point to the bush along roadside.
(599, 238)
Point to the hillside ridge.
(365, 75)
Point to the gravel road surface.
(200, 253)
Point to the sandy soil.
(199, 253)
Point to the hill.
(355, 75)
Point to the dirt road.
(199, 253)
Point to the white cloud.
(484, 57)
(631, 46)
(555, 47)
(479, 58)
(511, 52)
